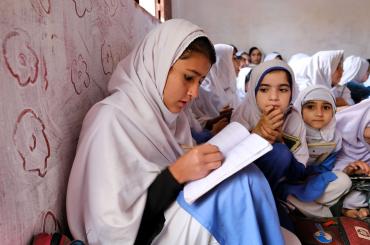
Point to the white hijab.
(351, 122)
(248, 113)
(354, 69)
(127, 139)
(317, 69)
(219, 87)
(271, 56)
(327, 133)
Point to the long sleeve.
(161, 194)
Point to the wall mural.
(56, 59)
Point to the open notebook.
(239, 148)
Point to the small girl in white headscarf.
(354, 157)
(323, 187)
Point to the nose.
(194, 90)
(273, 95)
(319, 111)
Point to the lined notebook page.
(239, 148)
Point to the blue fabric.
(358, 91)
(326, 165)
(201, 137)
(280, 164)
(310, 190)
(240, 210)
(315, 185)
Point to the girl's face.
(366, 76)
(337, 75)
(183, 80)
(236, 63)
(274, 90)
(317, 113)
(256, 56)
(367, 134)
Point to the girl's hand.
(270, 124)
(218, 126)
(357, 167)
(196, 163)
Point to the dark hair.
(275, 69)
(252, 49)
(235, 49)
(248, 77)
(200, 45)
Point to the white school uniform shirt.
(248, 113)
(351, 122)
(317, 69)
(219, 87)
(328, 133)
(127, 140)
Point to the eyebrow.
(268, 85)
(194, 71)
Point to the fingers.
(360, 167)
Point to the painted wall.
(56, 58)
(288, 26)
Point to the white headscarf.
(271, 56)
(351, 122)
(240, 84)
(354, 69)
(248, 113)
(317, 69)
(327, 133)
(219, 87)
(127, 139)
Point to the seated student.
(255, 55)
(353, 69)
(323, 68)
(358, 69)
(218, 93)
(130, 166)
(354, 157)
(323, 186)
(268, 112)
(243, 58)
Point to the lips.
(182, 103)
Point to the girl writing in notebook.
(354, 157)
(323, 186)
(130, 166)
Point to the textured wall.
(56, 58)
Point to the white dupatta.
(351, 122)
